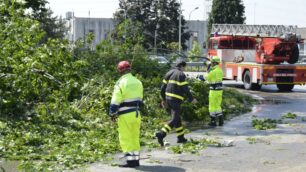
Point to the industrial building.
(79, 27)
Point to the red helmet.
(123, 66)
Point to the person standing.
(126, 99)
(173, 91)
(214, 77)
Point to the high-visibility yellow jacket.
(127, 95)
(214, 78)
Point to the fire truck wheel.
(247, 82)
(256, 86)
(285, 87)
(295, 55)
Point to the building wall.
(102, 27)
(302, 32)
(198, 30)
(80, 27)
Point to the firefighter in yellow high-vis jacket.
(126, 99)
(214, 78)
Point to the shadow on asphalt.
(159, 168)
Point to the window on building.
(92, 31)
(106, 33)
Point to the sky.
(280, 12)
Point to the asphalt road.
(282, 149)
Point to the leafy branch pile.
(289, 115)
(193, 146)
(265, 124)
(254, 140)
(54, 99)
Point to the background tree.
(52, 25)
(38, 10)
(226, 11)
(195, 52)
(159, 19)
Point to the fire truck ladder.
(253, 30)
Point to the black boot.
(130, 164)
(160, 137)
(181, 139)
(137, 163)
(212, 122)
(221, 120)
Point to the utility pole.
(158, 15)
(155, 39)
(155, 35)
(125, 25)
(125, 17)
(190, 31)
(180, 23)
(206, 18)
(192, 11)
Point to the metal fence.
(196, 67)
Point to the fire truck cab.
(258, 55)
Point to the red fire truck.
(258, 54)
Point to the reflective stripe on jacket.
(175, 86)
(214, 78)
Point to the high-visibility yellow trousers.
(215, 100)
(129, 131)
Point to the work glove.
(164, 104)
(194, 101)
(201, 77)
(114, 117)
